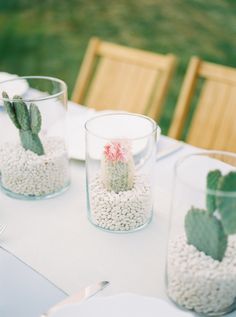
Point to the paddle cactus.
(28, 121)
(212, 183)
(205, 233)
(117, 166)
(208, 230)
(227, 204)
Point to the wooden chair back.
(213, 124)
(121, 78)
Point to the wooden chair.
(213, 124)
(121, 78)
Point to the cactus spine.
(208, 230)
(27, 121)
(117, 170)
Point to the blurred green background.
(49, 37)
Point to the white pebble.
(196, 281)
(123, 211)
(26, 173)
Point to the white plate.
(77, 116)
(122, 305)
(18, 87)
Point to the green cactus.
(35, 122)
(28, 121)
(10, 108)
(117, 169)
(117, 176)
(22, 113)
(208, 230)
(227, 204)
(212, 183)
(206, 233)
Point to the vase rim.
(205, 153)
(155, 126)
(49, 78)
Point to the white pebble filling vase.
(123, 211)
(30, 175)
(196, 281)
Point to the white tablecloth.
(55, 237)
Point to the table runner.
(55, 237)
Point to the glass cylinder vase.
(201, 256)
(33, 155)
(120, 153)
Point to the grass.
(49, 37)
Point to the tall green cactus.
(27, 121)
(208, 230)
(117, 166)
(212, 183)
(226, 204)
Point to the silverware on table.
(82, 295)
(170, 150)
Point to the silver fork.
(2, 228)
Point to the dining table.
(56, 239)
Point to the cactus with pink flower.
(117, 166)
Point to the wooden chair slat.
(199, 124)
(230, 122)
(218, 72)
(213, 122)
(185, 96)
(132, 55)
(122, 78)
(208, 116)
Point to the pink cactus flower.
(117, 151)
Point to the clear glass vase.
(201, 255)
(33, 154)
(120, 153)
